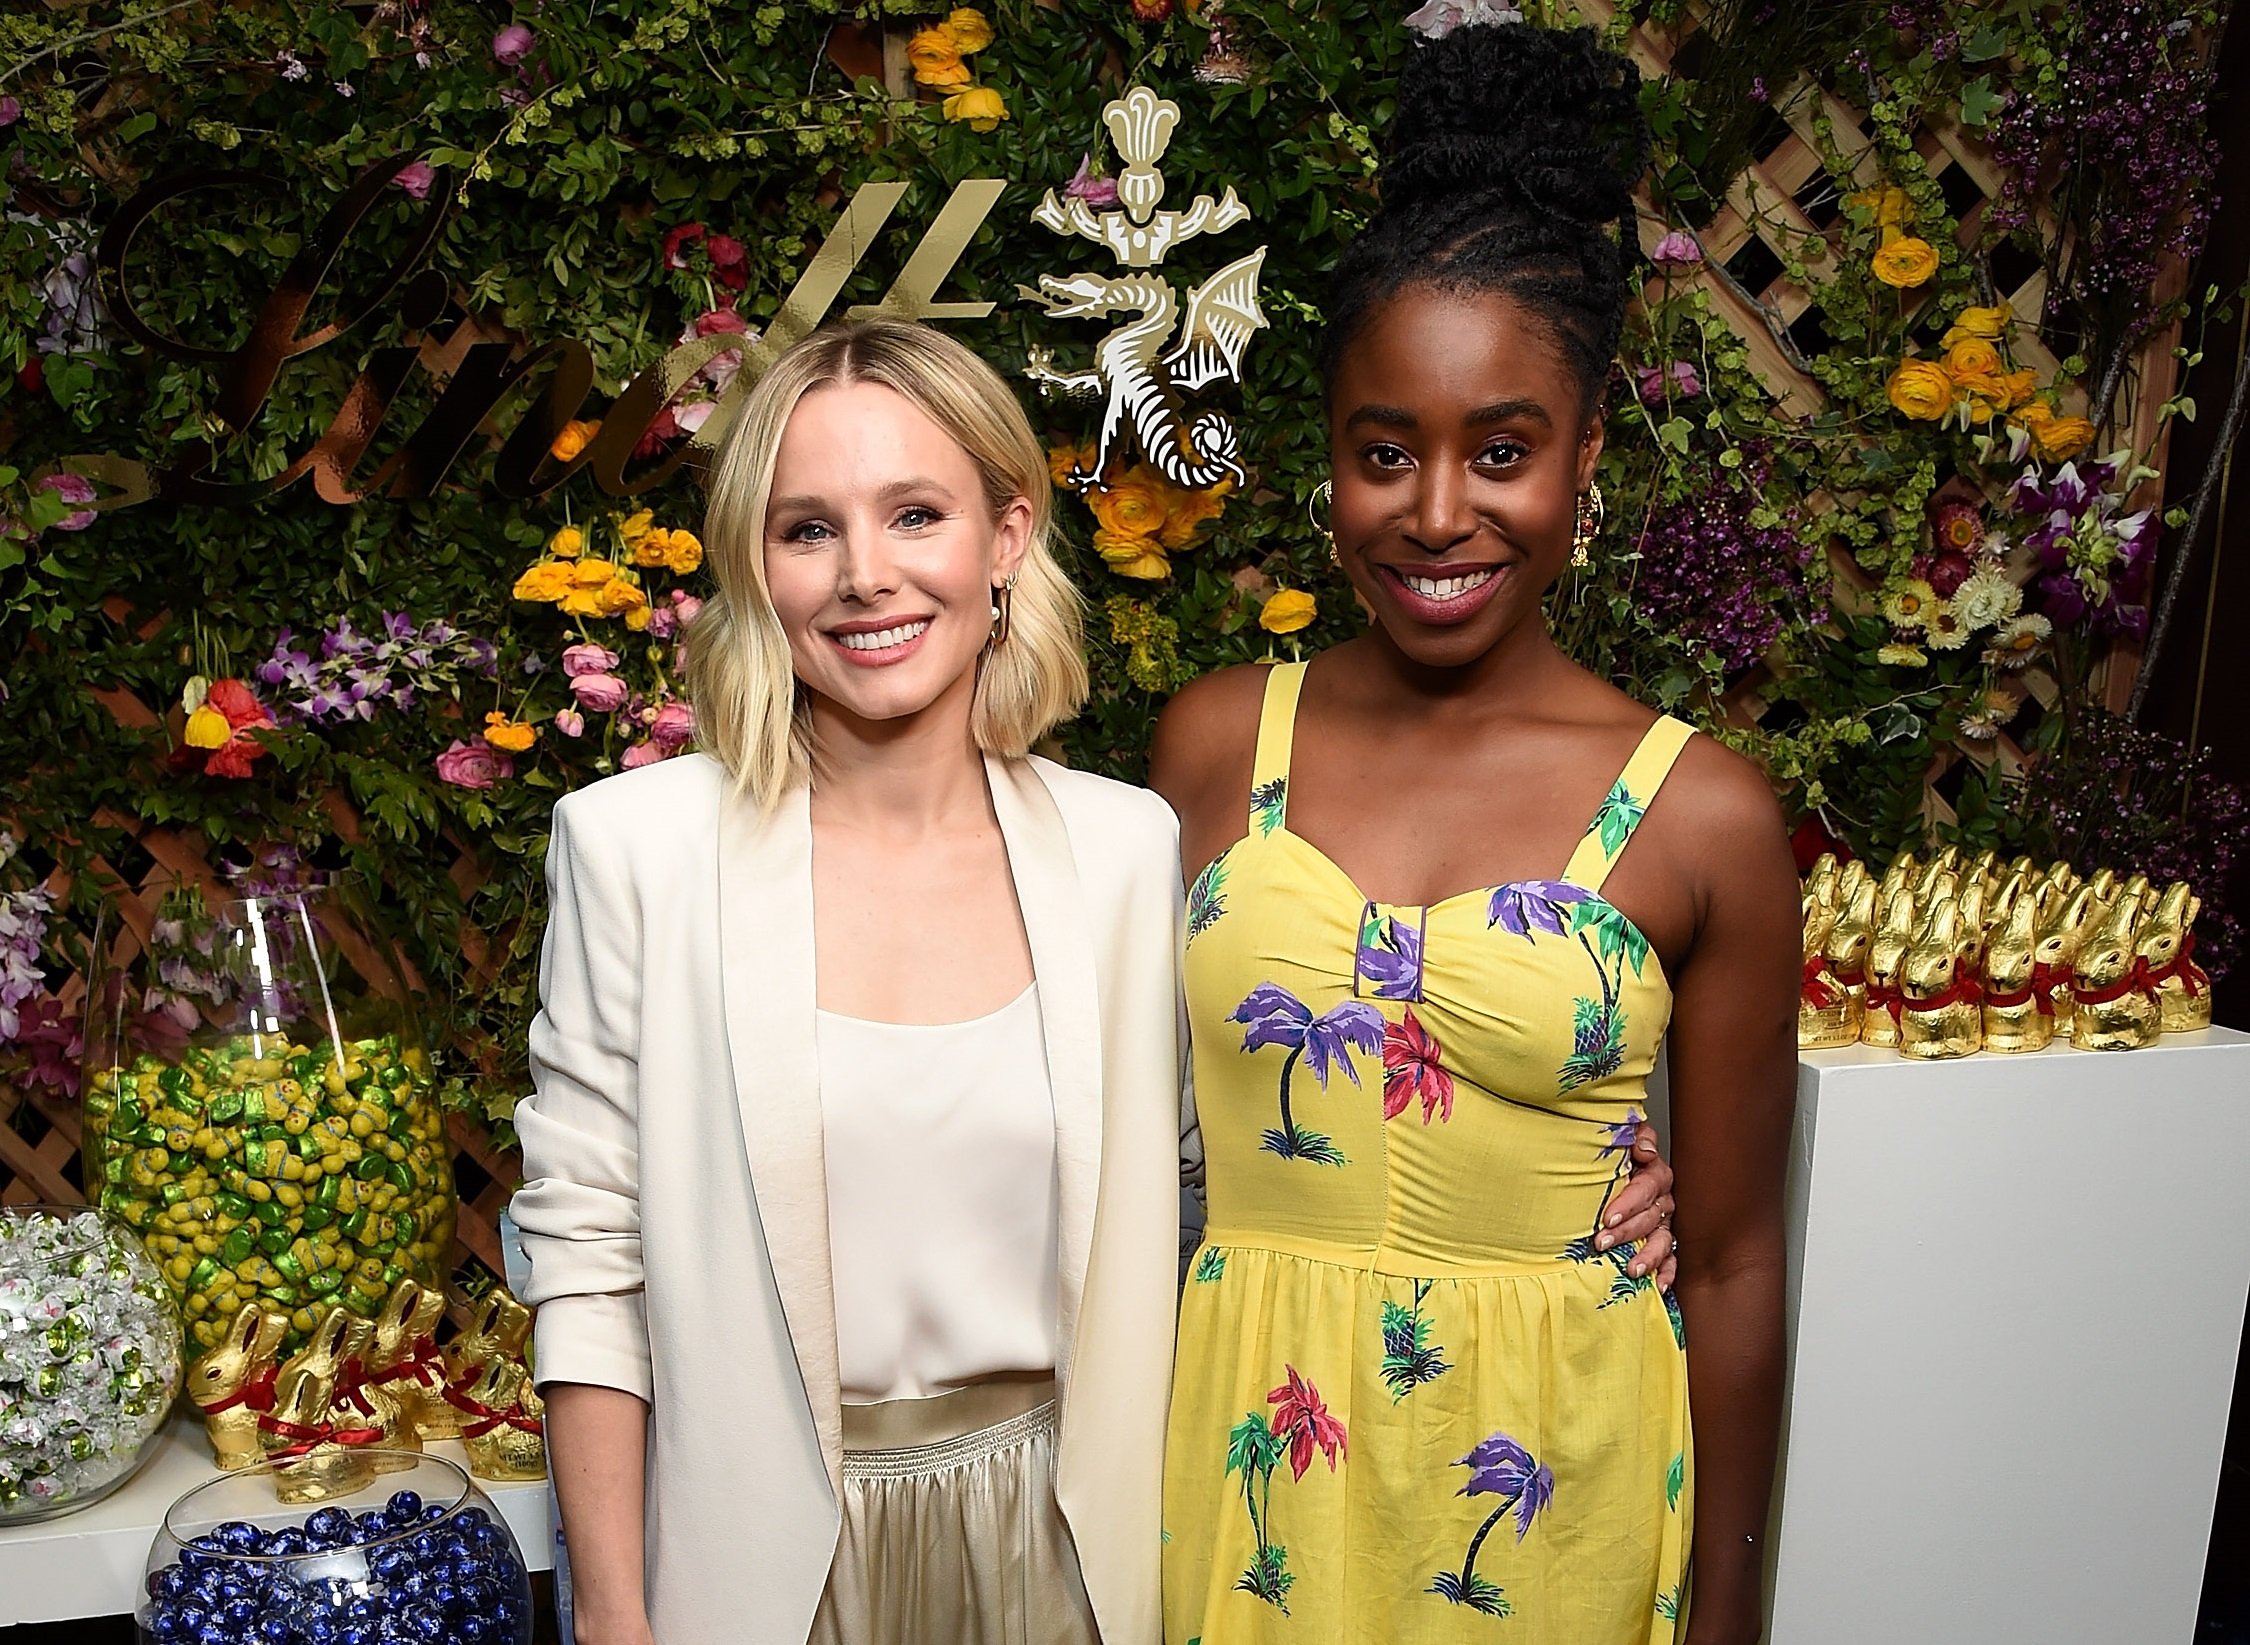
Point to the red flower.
(662, 430)
(233, 699)
(676, 242)
(243, 713)
(1412, 1067)
(718, 320)
(725, 251)
(1151, 11)
(1301, 1418)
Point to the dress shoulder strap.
(1627, 802)
(1277, 727)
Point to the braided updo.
(1509, 168)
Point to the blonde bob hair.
(750, 711)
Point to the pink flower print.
(1301, 1418)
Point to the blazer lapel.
(1062, 958)
(766, 973)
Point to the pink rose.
(72, 488)
(416, 179)
(570, 722)
(512, 44)
(675, 725)
(603, 693)
(1676, 250)
(1098, 192)
(473, 765)
(1685, 384)
(641, 754)
(686, 419)
(588, 659)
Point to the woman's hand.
(1642, 1211)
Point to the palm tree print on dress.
(1611, 942)
(1389, 956)
(1413, 1066)
(1675, 1480)
(1269, 800)
(1301, 1422)
(1409, 1360)
(1211, 1266)
(1207, 898)
(1667, 1604)
(1619, 815)
(1497, 1467)
(1277, 1017)
(1618, 1139)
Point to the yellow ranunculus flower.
(509, 736)
(1985, 394)
(980, 106)
(637, 618)
(1184, 513)
(968, 29)
(620, 598)
(936, 60)
(1129, 508)
(1989, 323)
(1972, 357)
(567, 544)
(545, 582)
(685, 553)
(1889, 206)
(581, 602)
(1921, 390)
(2054, 439)
(1062, 459)
(208, 728)
(592, 573)
(574, 438)
(2019, 384)
(1288, 610)
(635, 526)
(1132, 554)
(1906, 262)
(652, 547)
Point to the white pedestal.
(90, 1563)
(2016, 1287)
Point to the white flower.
(1979, 727)
(1439, 18)
(1945, 631)
(2020, 640)
(1986, 597)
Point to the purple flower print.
(1526, 905)
(1622, 1135)
(1274, 1016)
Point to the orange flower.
(509, 736)
(1972, 357)
(1920, 390)
(545, 582)
(1906, 262)
(1287, 611)
(1184, 513)
(1130, 507)
(652, 547)
(1063, 459)
(2020, 385)
(684, 553)
(574, 438)
(2054, 439)
(621, 599)
(937, 60)
(1132, 554)
(980, 106)
(968, 29)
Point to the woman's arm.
(597, 1440)
(580, 1213)
(1733, 1081)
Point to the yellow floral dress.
(1413, 1404)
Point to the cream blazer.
(674, 1201)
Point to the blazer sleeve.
(580, 1204)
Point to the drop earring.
(1003, 611)
(1323, 497)
(1590, 514)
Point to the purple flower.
(10, 111)
(1098, 192)
(1677, 250)
(72, 488)
(2061, 599)
(1680, 375)
(1392, 960)
(511, 45)
(1501, 1467)
(1525, 905)
(673, 727)
(588, 659)
(1277, 1017)
(1622, 1135)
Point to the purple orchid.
(1277, 1017)
(1524, 905)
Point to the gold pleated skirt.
(951, 1533)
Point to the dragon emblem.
(1161, 350)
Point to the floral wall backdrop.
(1893, 531)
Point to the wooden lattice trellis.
(1780, 209)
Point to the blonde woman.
(848, 1025)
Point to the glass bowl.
(89, 1359)
(259, 1109)
(417, 1555)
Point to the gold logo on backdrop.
(476, 371)
(1156, 353)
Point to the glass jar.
(89, 1359)
(416, 1556)
(259, 1110)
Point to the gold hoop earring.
(1590, 515)
(1003, 611)
(1322, 499)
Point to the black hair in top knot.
(1509, 168)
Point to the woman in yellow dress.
(1454, 893)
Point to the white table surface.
(90, 1563)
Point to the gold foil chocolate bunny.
(2183, 988)
(363, 1403)
(1821, 1000)
(1839, 1019)
(2018, 1013)
(1886, 953)
(325, 1459)
(1942, 1012)
(2070, 915)
(503, 1426)
(406, 1363)
(233, 1384)
(2114, 1007)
